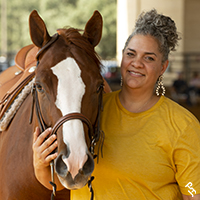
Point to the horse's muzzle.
(69, 180)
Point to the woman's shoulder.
(177, 120)
(177, 110)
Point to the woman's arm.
(42, 157)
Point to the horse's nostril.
(60, 166)
(88, 166)
(81, 171)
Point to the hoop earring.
(160, 86)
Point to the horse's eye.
(39, 88)
(100, 88)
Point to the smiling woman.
(142, 64)
(152, 145)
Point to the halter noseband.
(93, 138)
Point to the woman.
(152, 145)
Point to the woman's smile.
(135, 74)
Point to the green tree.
(58, 14)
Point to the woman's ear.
(164, 66)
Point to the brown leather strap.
(51, 41)
(71, 116)
(61, 121)
(37, 110)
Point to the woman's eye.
(150, 58)
(130, 54)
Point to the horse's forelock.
(72, 35)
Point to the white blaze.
(70, 91)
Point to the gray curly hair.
(161, 27)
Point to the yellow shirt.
(148, 155)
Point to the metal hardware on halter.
(93, 144)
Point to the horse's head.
(68, 86)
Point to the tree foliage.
(58, 14)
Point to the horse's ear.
(38, 31)
(93, 29)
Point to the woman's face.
(142, 63)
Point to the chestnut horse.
(66, 95)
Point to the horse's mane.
(73, 36)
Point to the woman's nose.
(137, 62)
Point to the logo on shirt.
(191, 189)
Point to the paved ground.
(194, 109)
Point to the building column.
(127, 13)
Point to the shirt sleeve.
(187, 159)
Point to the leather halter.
(94, 138)
(71, 116)
(94, 134)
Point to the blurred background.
(182, 78)
(56, 14)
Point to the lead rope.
(53, 194)
(90, 187)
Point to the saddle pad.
(16, 77)
(8, 78)
(15, 105)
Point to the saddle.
(13, 80)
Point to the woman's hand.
(42, 157)
(42, 148)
